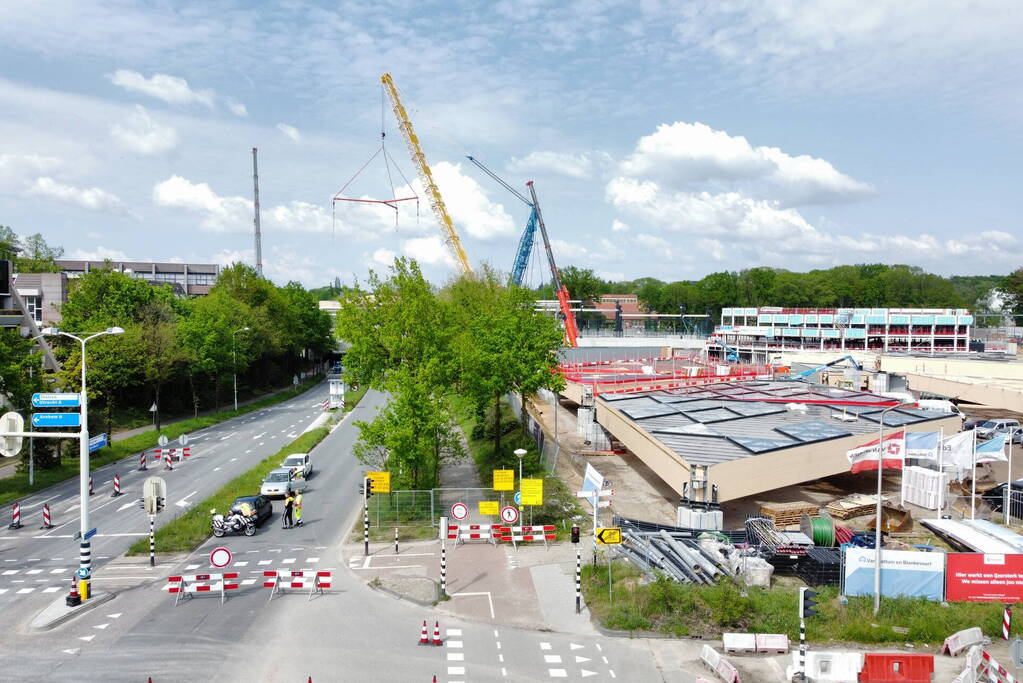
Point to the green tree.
(581, 283)
(37, 256)
(1011, 290)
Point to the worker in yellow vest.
(298, 507)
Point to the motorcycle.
(236, 523)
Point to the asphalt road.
(350, 633)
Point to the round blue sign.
(82, 572)
(518, 497)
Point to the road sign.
(518, 497)
(459, 510)
(90, 533)
(609, 535)
(490, 507)
(605, 493)
(532, 491)
(504, 480)
(97, 442)
(220, 557)
(509, 514)
(56, 400)
(56, 420)
(152, 408)
(183, 440)
(163, 440)
(154, 495)
(381, 481)
(10, 446)
(82, 573)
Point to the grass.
(16, 486)
(665, 606)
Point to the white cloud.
(298, 216)
(383, 257)
(681, 154)
(161, 86)
(236, 107)
(17, 170)
(582, 166)
(428, 250)
(93, 198)
(100, 253)
(139, 132)
(220, 214)
(290, 131)
(471, 209)
(618, 226)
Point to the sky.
(665, 139)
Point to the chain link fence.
(401, 508)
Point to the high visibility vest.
(298, 501)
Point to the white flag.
(957, 450)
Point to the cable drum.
(821, 530)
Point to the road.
(350, 633)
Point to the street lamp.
(234, 364)
(85, 548)
(877, 521)
(520, 453)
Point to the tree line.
(422, 345)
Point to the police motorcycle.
(235, 523)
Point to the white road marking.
(580, 660)
(490, 599)
(290, 560)
(557, 673)
(243, 563)
(216, 469)
(500, 658)
(184, 501)
(312, 560)
(584, 673)
(456, 657)
(87, 638)
(248, 582)
(72, 651)
(233, 459)
(605, 661)
(34, 571)
(575, 646)
(552, 659)
(4, 590)
(48, 589)
(127, 505)
(498, 643)
(456, 671)
(611, 671)
(114, 616)
(191, 567)
(23, 591)
(265, 562)
(101, 626)
(56, 559)
(259, 436)
(545, 646)
(11, 572)
(454, 643)
(599, 648)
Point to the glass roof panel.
(813, 431)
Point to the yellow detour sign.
(381, 481)
(609, 535)
(504, 480)
(532, 492)
(490, 507)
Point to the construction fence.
(549, 449)
(426, 507)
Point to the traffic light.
(369, 488)
(807, 603)
(575, 533)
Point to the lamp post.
(520, 453)
(234, 364)
(85, 548)
(1008, 477)
(877, 521)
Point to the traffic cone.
(424, 638)
(436, 633)
(73, 599)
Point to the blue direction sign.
(518, 497)
(56, 400)
(82, 572)
(97, 442)
(56, 420)
(90, 533)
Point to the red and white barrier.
(172, 453)
(1006, 622)
(15, 517)
(519, 534)
(313, 581)
(46, 517)
(142, 461)
(90, 484)
(202, 583)
(167, 461)
(117, 486)
(475, 532)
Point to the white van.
(940, 405)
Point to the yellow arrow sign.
(609, 535)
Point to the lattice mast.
(426, 176)
(255, 217)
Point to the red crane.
(567, 316)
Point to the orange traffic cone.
(73, 599)
(436, 633)
(424, 637)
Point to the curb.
(85, 607)
(396, 594)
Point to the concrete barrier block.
(739, 642)
(772, 642)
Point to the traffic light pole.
(365, 516)
(802, 648)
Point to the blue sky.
(668, 139)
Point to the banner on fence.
(903, 573)
(504, 480)
(976, 577)
(381, 481)
(532, 491)
(490, 507)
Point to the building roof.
(139, 266)
(711, 424)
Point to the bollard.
(365, 525)
(443, 570)
(142, 461)
(90, 484)
(395, 540)
(15, 517)
(46, 517)
(1006, 622)
(152, 540)
(578, 579)
(167, 460)
(117, 486)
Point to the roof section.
(716, 423)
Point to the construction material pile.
(788, 514)
(853, 505)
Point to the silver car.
(280, 482)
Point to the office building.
(187, 279)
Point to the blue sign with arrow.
(56, 400)
(97, 442)
(56, 420)
(90, 533)
(518, 497)
(82, 573)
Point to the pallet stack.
(853, 505)
(788, 514)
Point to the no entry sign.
(509, 514)
(220, 557)
(459, 510)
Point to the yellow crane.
(426, 176)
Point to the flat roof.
(716, 423)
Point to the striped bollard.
(578, 579)
(365, 526)
(395, 540)
(167, 460)
(1006, 622)
(142, 461)
(90, 484)
(152, 540)
(443, 570)
(802, 649)
(117, 486)
(15, 517)
(46, 517)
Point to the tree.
(1011, 290)
(37, 256)
(581, 283)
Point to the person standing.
(298, 507)
(289, 505)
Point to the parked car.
(281, 482)
(995, 498)
(992, 428)
(299, 464)
(259, 506)
(971, 422)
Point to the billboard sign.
(903, 573)
(979, 577)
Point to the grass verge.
(14, 487)
(681, 610)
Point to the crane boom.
(426, 176)
(526, 241)
(571, 331)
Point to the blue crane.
(526, 241)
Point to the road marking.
(545, 646)
(56, 559)
(72, 651)
(453, 632)
(605, 661)
(575, 646)
(312, 560)
(191, 567)
(290, 560)
(233, 459)
(584, 673)
(216, 469)
(580, 660)
(248, 451)
(48, 589)
(34, 571)
(599, 648)
(265, 562)
(456, 657)
(552, 659)
(456, 671)
(498, 643)
(115, 616)
(454, 643)
(259, 436)
(4, 590)
(490, 599)
(611, 671)
(23, 591)
(11, 572)
(504, 672)
(248, 582)
(243, 563)
(101, 626)
(557, 673)
(184, 501)
(127, 505)
(262, 442)
(87, 638)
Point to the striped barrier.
(46, 517)
(995, 670)
(280, 580)
(117, 486)
(142, 461)
(188, 584)
(520, 534)
(15, 517)
(174, 453)
(476, 532)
